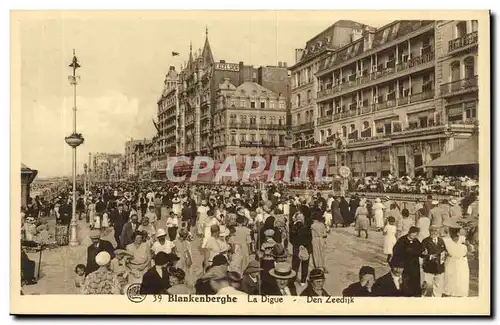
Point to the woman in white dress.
(378, 212)
(423, 225)
(456, 266)
(176, 205)
(390, 231)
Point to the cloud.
(106, 123)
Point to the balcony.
(462, 43)
(258, 144)
(248, 126)
(459, 87)
(371, 108)
(415, 64)
(303, 127)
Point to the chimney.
(280, 64)
(298, 55)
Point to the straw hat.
(160, 233)
(103, 258)
(282, 271)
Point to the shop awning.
(466, 154)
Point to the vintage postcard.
(250, 162)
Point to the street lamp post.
(74, 140)
(85, 191)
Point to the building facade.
(396, 98)
(304, 111)
(194, 96)
(108, 166)
(248, 120)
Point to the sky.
(124, 59)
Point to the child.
(328, 219)
(390, 230)
(80, 275)
(119, 266)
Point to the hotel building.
(396, 98)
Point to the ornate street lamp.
(74, 140)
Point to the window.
(252, 137)
(262, 104)
(282, 140)
(243, 137)
(352, 127)
(280, 121)
(321, 135)
(243, 104)
(455, 71)
(299, 121)
(263, 120)
(309, 95)
(366, 125)
(311, 115)
(253, 120)
(282, 104)
(297, 100)
(474, 25)
(252, 104)
(344, 131)
(470, 111)
(469, 67)
(271, 104)
(461, 29)
(329, 132)
(455, 113)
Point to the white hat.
(435, 202)
(453, 202)
(103, 258)
(377, 200)
(160, 232)
(237, 195)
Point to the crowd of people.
(259, 241)
(439, 184)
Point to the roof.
(466, 154)
(252, 89)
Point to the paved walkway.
(345, 254)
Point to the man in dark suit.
(284, 285)
(433, 261)
(250, 281)
(362, 288)
(118, 217)
(408, 249)
(98, 245)
(392, 284)
(129, 228)
(156, 279)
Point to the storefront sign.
(227, 66)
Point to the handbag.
(303, 253)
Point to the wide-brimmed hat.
(253, 266)
(160, 232)
(123, 252)
(378, 200)
(316, 274)
(103, 258)
(216, 273)
(282, 271)
(435, 202)
(95, 233)
(161, 259)
(453, 202)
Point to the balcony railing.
(462, 42)
(248, 126)
(459, 86)
(370, 108)
(372, 77)
(304, 126)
